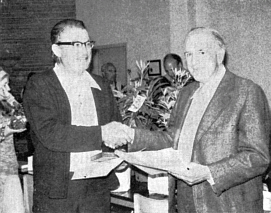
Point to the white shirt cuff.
(210, 179)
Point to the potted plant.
(147, 103)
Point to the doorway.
(113, 53)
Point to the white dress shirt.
(83, 108)
(199, 104)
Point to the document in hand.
(83, 166)
(153, 162)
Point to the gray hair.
(216, 35)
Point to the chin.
(83, 66)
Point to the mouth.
(82, 58)
(195, 70)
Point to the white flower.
(142, 66)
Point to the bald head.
(172, 62)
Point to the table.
(125, 199)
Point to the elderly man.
(221, 125)
(110, 73)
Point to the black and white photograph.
(125, 106)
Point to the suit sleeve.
(253, 133)
(42, 112)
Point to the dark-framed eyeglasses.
(78, 44)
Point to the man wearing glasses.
(71, 113)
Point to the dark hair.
(173, 56)
(60, 27)
(5, 75)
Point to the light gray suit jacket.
(232, 140)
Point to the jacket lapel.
(183, 104)
(98, 96)
(218, 103)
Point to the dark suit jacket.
(232, 140)
(48, 111)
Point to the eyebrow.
(81, 41)
(74, 41)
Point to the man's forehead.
(170, 61)
(200, 40)
(74, 34)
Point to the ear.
(56, 50)
(220, 55)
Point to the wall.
(181, 20)
(142, 24)
(25, 27)
(246, 28)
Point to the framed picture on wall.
(154, 68)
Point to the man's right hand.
(116, 134)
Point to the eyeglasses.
(78, 44)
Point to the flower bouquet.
(18, 119)
(170, 93)
(14, 110)
(147, 103)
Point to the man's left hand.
(192, 173)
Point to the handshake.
(116, 134)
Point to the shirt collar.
(213, 82)
(65, 78)
(92, 82)
(215, 78)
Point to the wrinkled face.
(110, 73)
(170, 65)
(201, 56)
(75, 58)
(4, 88)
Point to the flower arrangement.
(18, 119)
(13, 110)
(147, 103)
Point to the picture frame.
(154, 67)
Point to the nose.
(84, 48)
(193, 59)
(85, 51)
(8, 88)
